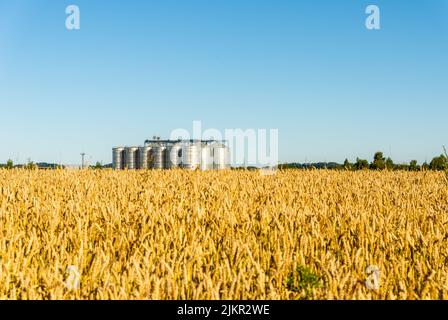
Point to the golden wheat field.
(223, 235)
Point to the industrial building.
(170, 154)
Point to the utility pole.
(82, 160)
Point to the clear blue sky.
(309, 68)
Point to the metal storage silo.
(191, 155)
(173, 156)
(206, 157)
(159, 154)
(221, 156)
(118, 158)
(145, 157)
(131, 158)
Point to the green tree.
(379, 162)
(413, 165)
(439, 163)
(9, 164)
(389, 164)
(30, 165)
(347, 165)
(97, 165)
(361, 164)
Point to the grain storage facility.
(170, 154)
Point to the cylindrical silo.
(206, 157)
(118, 158)
(221, 156)
(191, 155)
(173, 156)
(131, 158)
(145, 157)
(159, 155)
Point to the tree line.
(30, 165)
(44, 165)
(379, 162)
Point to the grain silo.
(221, 156)
(191, 155)
(173, 155)
(132, 157)
(159, 156)
(168, 154)
(118, 158)
(145, 157)
(206, 157)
